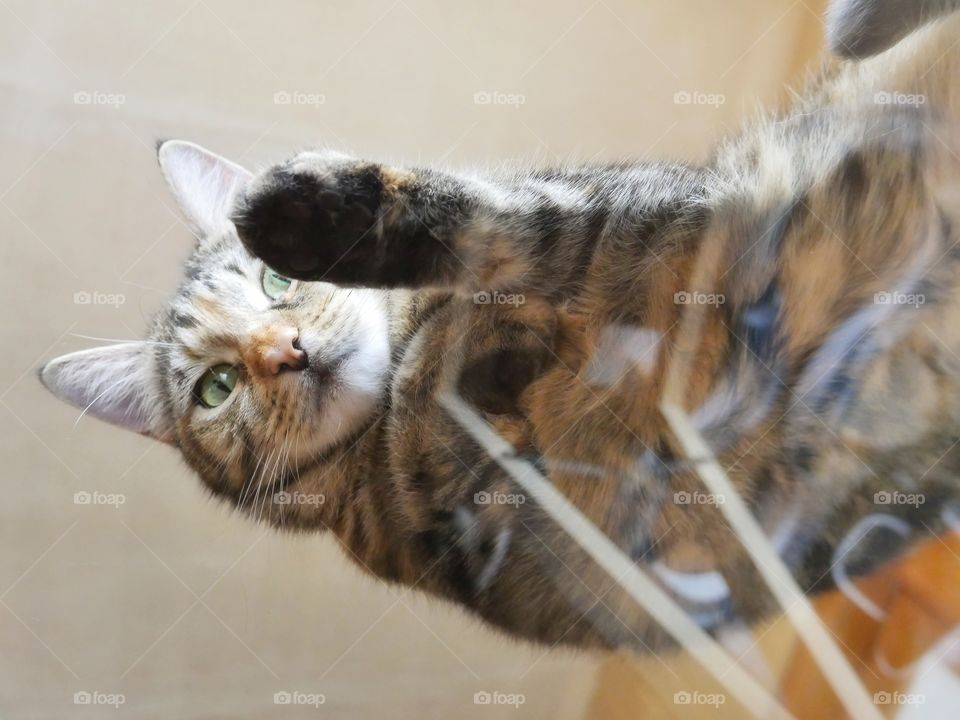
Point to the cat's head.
(243, 369)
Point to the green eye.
(274, 285)
(216, 385)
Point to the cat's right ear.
(204, 184)
(110, 383)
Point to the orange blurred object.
(920, 596)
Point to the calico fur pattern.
(815, 396)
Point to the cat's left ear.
(204, 184)
(110, 383)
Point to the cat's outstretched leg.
(324, 216)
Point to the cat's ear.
(204, 184)
(861, 28)
(110, 383)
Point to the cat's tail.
(861, 28)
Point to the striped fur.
(557, 302)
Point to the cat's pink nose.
(274, 350)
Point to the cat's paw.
(313, 218)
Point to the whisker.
(248, 483)
(256, 496)
(267, 486)
(281, 466)
(123, 341)
(285, 469)
(264, 484)
(92, 402)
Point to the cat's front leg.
(324, 216)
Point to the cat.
(331, 303)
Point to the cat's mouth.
(325, 374)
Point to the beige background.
(189, 611)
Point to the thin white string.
(645, 592)
(811, 630)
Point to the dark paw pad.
(305, 225)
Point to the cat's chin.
(345, 394)
(340, 414)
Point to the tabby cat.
(331, 302)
